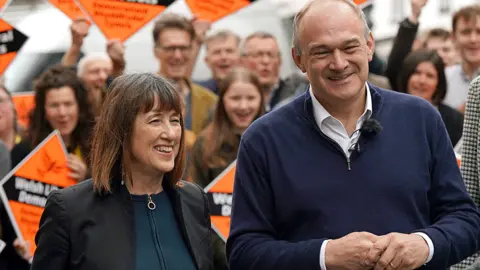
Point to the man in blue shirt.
(348, 175)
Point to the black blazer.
(80, 229)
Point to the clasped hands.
(365, 251)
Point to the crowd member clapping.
(423, 75)
(61, 104)
(135, 213)
(240, 103)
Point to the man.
(261, 54)
(440, 40)
(466, 37)
(222, 54)
(94, 70)
(173, 36)
(348, 175)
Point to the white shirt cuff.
(430, 245)
(322, 255)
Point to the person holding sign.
(240, 103)
(135, 213)
(61, 104)
(16, 253)
(348, 175)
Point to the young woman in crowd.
(61, 104)
(240, 103)
(135, 213)
(423, 75)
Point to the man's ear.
(206, 59)
(297, 58)
(371, 46)
(156, 52)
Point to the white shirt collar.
(321, 113)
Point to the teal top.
(159, 242)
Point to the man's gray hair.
(258, 34)
(223, 35)
(298, 17)
(89, 58)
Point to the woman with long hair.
(61, 104)
(423, 75)
(135, 213)
(240, 102)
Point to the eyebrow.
(351, 41)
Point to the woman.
(135, 213)
(16, 253)
(423, 75)
(240, 103)
(61, 104)
(10, 132)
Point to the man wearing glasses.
(174, 38)
(261, 54)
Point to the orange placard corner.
(214, 10)
(3, 4)
(224, 182)
(69, 8)
(222, 225)
(10, 45)
(119, 19)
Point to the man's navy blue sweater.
(293, 188)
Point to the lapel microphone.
(369, 129)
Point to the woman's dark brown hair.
(39, 128)
(410, 66)
(128, 96)
(220, 131)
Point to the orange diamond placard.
(11, 41)
(69, 8)
(362, 3)
(24, 104)
(120, 19)
(213, 10)
(25, 189)
(219, 193)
